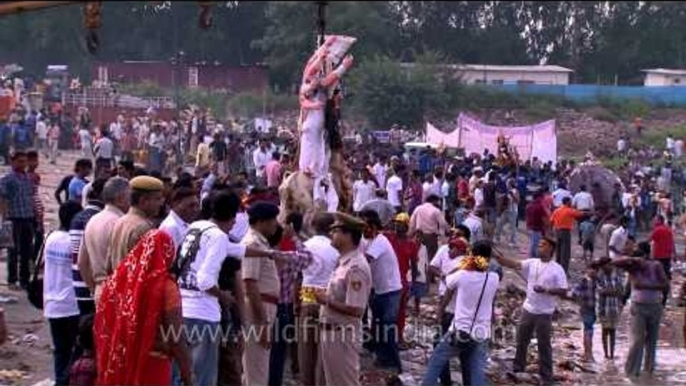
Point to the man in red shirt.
(536, 222)
(406, 249)
(462, 188)
(664, 249)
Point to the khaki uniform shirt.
(351, 284)
(262, 270)
(126, 233)
(96, 240)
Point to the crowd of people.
(183, 275)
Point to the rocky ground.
(26, 358)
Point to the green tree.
(290, 35)
(387, 92)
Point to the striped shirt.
(76, 231)
(39, 208)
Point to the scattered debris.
(8, 299)
(29, 339)
(12, 376)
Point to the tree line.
(603, 41)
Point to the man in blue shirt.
(84, 167)
(16, 192)
(426, 164)
(4, 142)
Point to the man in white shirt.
(380, 169)
(475, 223)
(669, 144)
(199, 262)
(387, 286)
(479, 194)
(363, 191)
(42, 136)
(583, 200)
(240, 227)
(116, 128)
(621, 145)
(86, 143)
(394, 188)
(470, 328)
(426, 189)
(476, 176)
(560, 193)
(618, 239)
(446, 260)
(381, 206)
(104, 152)
(678, 148)
(261, 157)
(546, 281)
(437, 184)
(60, 306)
(316, 277)
(185, 208)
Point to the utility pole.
(321, 21)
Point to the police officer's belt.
(271, 299)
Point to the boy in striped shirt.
(76, 231)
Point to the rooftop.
(499, 67)
(664, 71)
(514, 68)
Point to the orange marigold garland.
(473, 263)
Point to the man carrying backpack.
(199, 262)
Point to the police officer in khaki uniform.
(146, 201)
(262, 287)
(343, 305)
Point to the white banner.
(474, 136)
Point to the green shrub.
(541, 110)
(250, 104)
(657, 137)
(245, 104)
(626, 109)
(603, 114)
(214, 100)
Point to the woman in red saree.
(138, 301)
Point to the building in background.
(503, 74)
(165, 74)
(506, 74)
(664, 77)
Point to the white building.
(664, 77)
(505, 74)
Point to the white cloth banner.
(474, 136)
(437, 137)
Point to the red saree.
(129, 313)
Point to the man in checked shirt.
(17, 206)
(290, 273)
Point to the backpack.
(34, 292)
(185, 256)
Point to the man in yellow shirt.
(202, 158)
